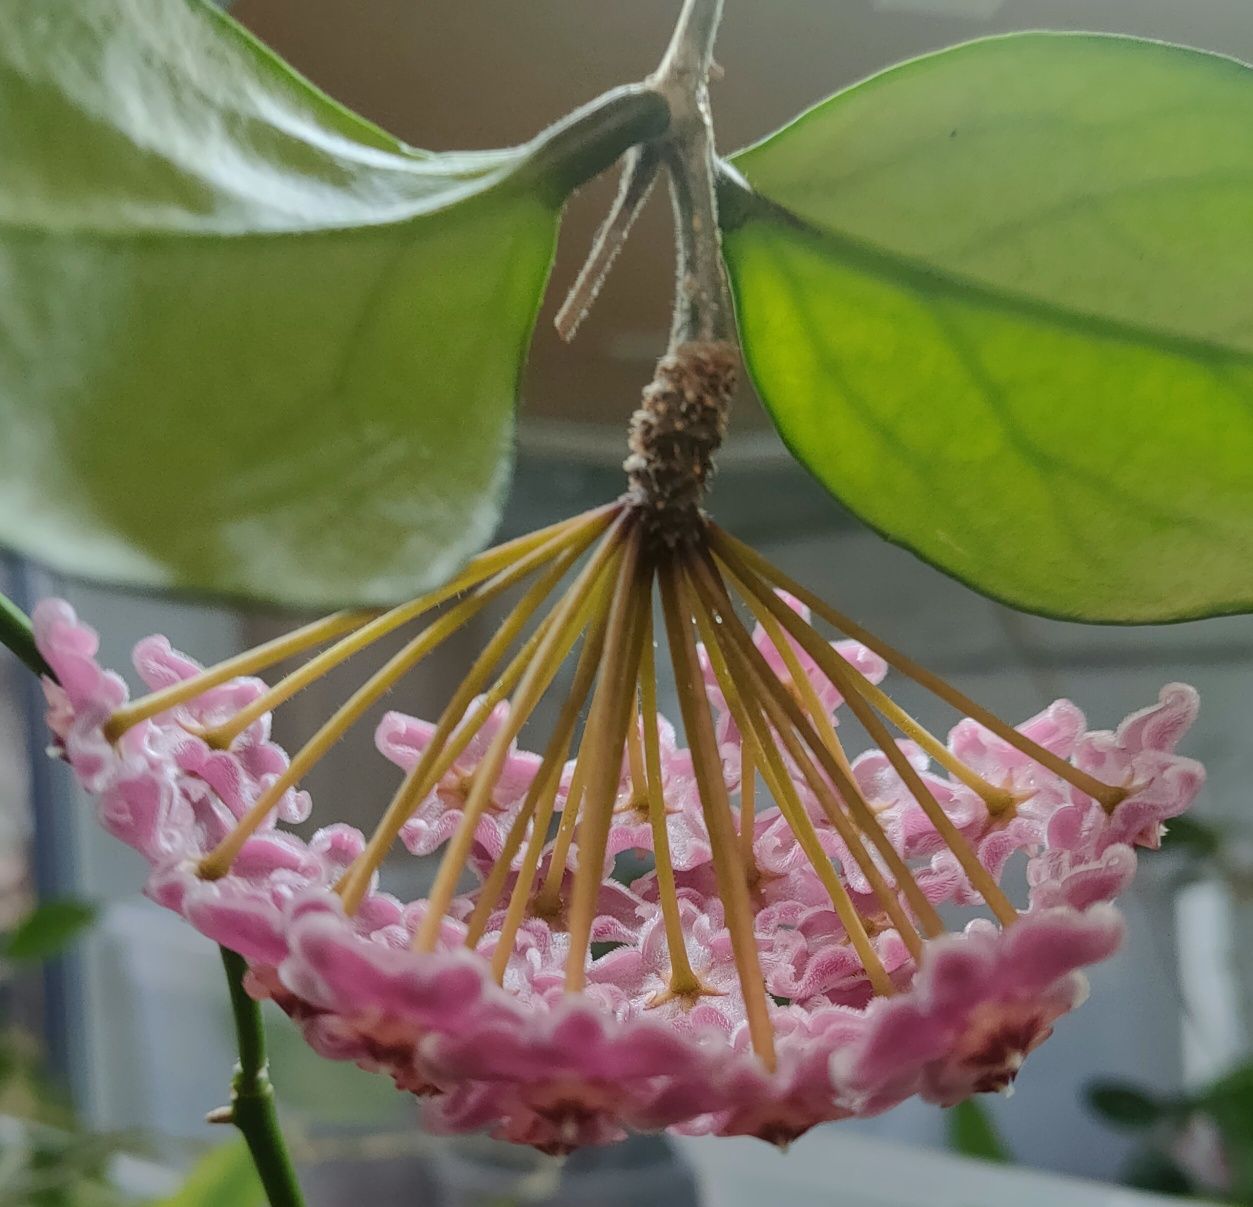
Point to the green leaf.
(972, 1133)
(48, 930)
(1229, 1103)
(223, 1175)
(249, 343)
(1125, 1105)
(1233, 1091)
(1158, 1173)
(997, 300)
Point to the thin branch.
(702, 300)
(252, 1095)
(639, 174)
(16, 635)
(691, 46)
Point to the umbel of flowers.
(821, 935)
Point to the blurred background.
(131, 1023)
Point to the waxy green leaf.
(249, 343)
(998, 301)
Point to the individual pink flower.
(403, 740)
(617, 914)
(631, 829)
(980, 1003)
(1140, 756)
(642, 970)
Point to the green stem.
(16, 634)
(252, 1094)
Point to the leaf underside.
(997, 301)
(248, 343)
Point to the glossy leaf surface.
(250, 343)
(997, 300)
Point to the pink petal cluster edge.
(543, 1067)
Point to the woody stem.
(702, 310)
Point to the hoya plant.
(995, 299)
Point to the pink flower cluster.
(556, 1070)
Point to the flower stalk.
(683, 984)
(838, 794)
(796, 926)
(612, 712)
(765, 754)
(716, 807)
(735, 552)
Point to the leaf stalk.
(685, 148)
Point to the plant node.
(675, 433)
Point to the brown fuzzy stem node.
(675, 434)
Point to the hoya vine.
(251, 1108)
(1008, 425)
(789, 930)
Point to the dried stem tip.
(675, 434)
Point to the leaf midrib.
(741, 204)
(404, 215)
(991, 393)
